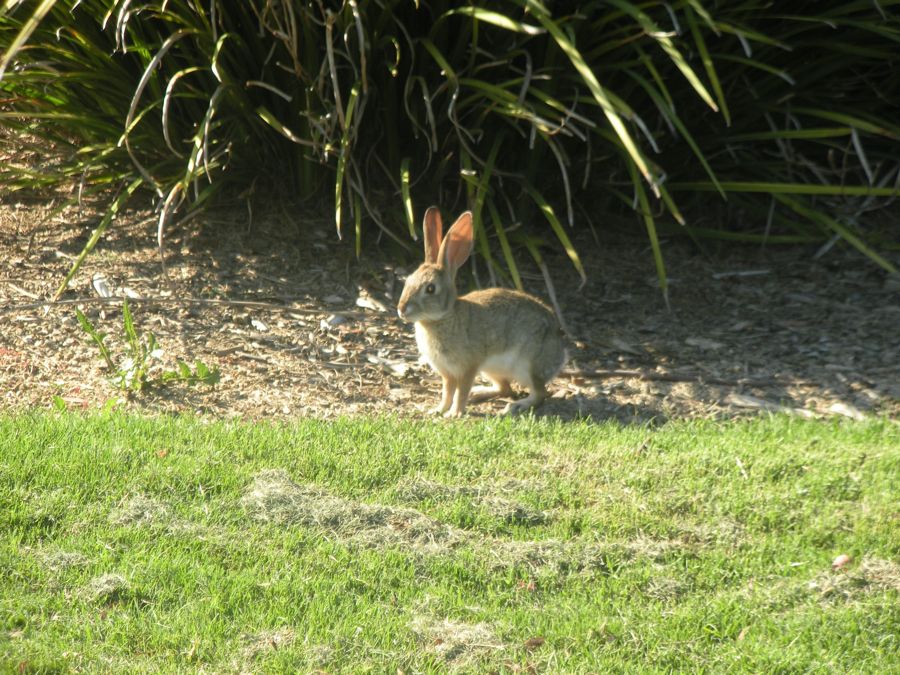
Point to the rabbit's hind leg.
(501, 389)
(536, 395)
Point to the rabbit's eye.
(429, 289)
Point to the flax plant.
(738, 121)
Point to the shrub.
(511, 108)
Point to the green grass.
(383, 544)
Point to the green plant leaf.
(343, 156)
(407, 200)
(647, 216)
(787, 188)
(558, 229)
(504, 244)
(59, 404)
(496, 19)
(108, 217)
(707, 61)
(597, 91)
(130, 332)
(96, 336)
(669, 47)
(845, 233)
(24, 34)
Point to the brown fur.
(506, 335)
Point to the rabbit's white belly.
(508, 365)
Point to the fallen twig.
(744, 401)
(653, 376)
(22, 291)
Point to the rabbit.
(504, 334)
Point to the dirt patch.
(553, 559)
(140, 510)
(108, 588)
(872, 575)
(460, 646)
(60, 561)
(723, 532)
(146, 512)
(274, 497)
(548, 559)
(267, 641)
(664, 587)
(643, 546)
(488, 499)
(749, 330)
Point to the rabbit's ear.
(457, 244)
(433, 230)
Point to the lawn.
(131, 544)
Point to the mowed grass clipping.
(172, 544)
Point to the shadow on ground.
(750, 330)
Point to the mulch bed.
(299, 327)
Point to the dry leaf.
(101, 285)
(746, 401)
(846, 410)
(369, 302)
(892, 282)
(740, 273)
(620, 345)
(703, 343)
(534, 642)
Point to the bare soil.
(752, 329)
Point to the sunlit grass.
(138, 545)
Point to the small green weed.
(132, 372)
